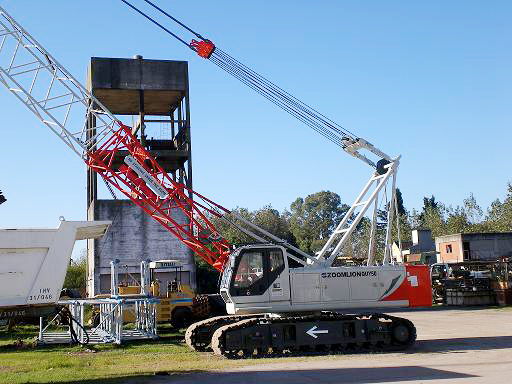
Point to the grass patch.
(104, 362)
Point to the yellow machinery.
(176, 299)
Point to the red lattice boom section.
(198, 233)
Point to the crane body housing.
(259, 278)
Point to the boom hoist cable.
(385, 167)
(260, 84)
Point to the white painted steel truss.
(369, 196)
(48, 90)
(59, 100)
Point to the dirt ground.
(454, 346)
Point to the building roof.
(476, 234)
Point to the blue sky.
(429, 80)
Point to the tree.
(400, 203)
(266, 218)
(432, 216)
(499, 215)
(313, 219)
(360, 241)
(272, 221)
(495, 216)
(232, 235)
(207, 277)
(472, 210)
(457, 221)
(76, 275)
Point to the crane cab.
(256, 279)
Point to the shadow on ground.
(317, 376)
(462, 344)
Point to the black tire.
(181, 317)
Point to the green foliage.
(400, 203)
(469, 217)
(472, 210)
(313, 219)
(404, 227)
(360, 241)
(267, 218)
(232, 235)
(274, 222)
(76, 276)
(499, 215)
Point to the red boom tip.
(203, 48)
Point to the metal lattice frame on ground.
(110, 324)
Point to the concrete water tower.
(152, 97)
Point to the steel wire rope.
(281, 103)
(293, 105)
(287, 102)
(174, 19)
(312, 124)
(259, 89)
(275, 90)
(155, 22)
(306, 119)
(332, 124)
(225, 56)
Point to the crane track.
(253, 337)
(198, 335)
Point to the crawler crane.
(278, 297)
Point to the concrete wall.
(132, 238)
(117, 82)
(422, 240)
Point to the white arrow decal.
(312, 332)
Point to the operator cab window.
(249, 270)
(256, 270)
(276, 261)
